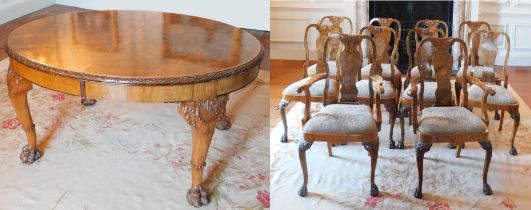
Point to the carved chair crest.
(336, 21)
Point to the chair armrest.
(413, 91)
(479, 83)
(308, 96)
(313, 79)
(486, 91)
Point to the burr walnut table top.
(119, 53)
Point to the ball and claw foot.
(284, 138)
(224, 123)
(88, 101)
(497, 116)
(196, 197)
(400, 145)
(303, 191)
(451, 146)
(513, 151)
(29, 155)
(392, 144)
(418, 193)
(487, 190)
(374, 191)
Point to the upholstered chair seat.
(342, 119)
(386, 70)
(502, 97)
(316, 89)
(363, 89)
(312, 70)
(450, 121)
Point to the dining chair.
(348, 119)
(503, 100)
(445, 121)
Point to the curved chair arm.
(486, 92)
(308, 96)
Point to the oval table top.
(134, 47)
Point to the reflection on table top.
(134, 46)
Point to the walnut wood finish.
(382, 38)
(322, 55)
(487, 51)
(350, 62)
(100, 55)
(442, 62)
(336, 22)
(389, 22)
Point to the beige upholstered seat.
(363, 89)
(476, 71)
(331, 68)
(450, 120)
(429, 91)
(386, 70)
(316, 89)
(502, 97)
(415, 71)
(342, 119)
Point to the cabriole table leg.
(202, 116)
(18, 88)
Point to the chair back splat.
(324, 31)
(442, 62)
(472, 26)
(487, 52)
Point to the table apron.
(137, 93)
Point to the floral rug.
(116, 155)
(342, 181)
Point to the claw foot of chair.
(196, 196)
(374, 191)
(451, 146)
(88, 101)
(486, 189)
(284, 138)
(497, 115)
(513, 151)
(303, 191)
(418, 193)
(392, 144)
(29, 155)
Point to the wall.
(11, 9)
(290, 18)
(513, 17)
(254, 16)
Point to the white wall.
(513, 17)
(252, 14)
(11, 9)
(290, 18)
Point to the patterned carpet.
(116, 155)
(342, 181)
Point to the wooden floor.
(285, 72)
(6, 28)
